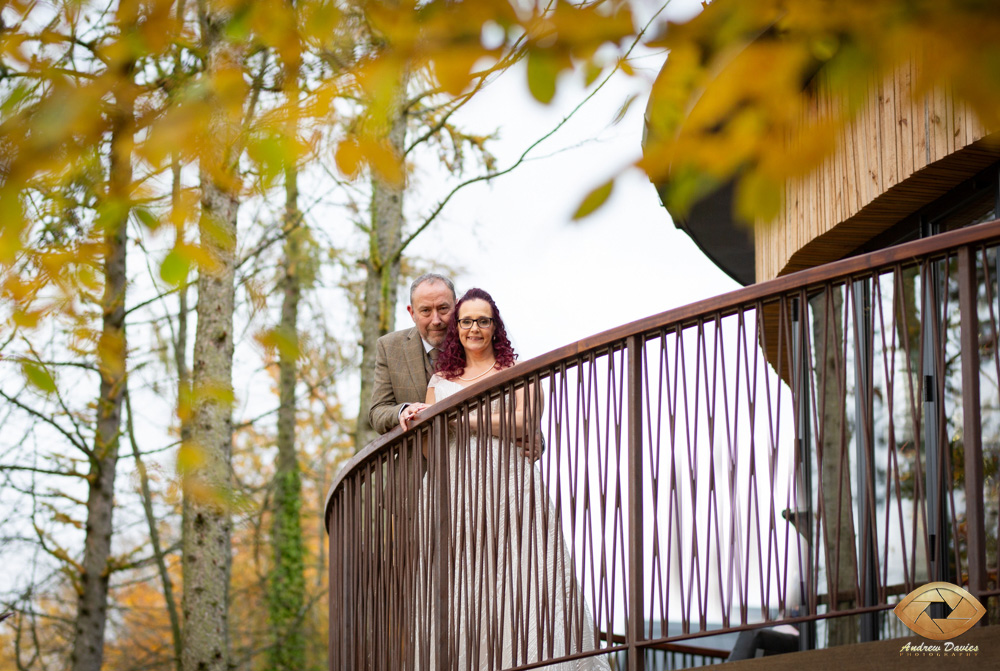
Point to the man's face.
(432, 306)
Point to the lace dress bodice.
(443, 388)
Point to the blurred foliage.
(734, 98)
(63, 66)
(733, 101)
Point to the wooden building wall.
(899, 154)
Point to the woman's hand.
(531, 447)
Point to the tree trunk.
(286, 601)
(206, 525)
(382, 264)
(835, 488)
(207, 461)
(91, 616)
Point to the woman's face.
(476, 339)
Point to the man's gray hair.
(432, 277)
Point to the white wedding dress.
(515, 598)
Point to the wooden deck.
(883, 655)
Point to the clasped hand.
(530, 446)
(411, 413)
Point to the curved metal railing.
(801, 451)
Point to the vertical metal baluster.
(994, 324)
(636, 660)
(335, 531)
(972, 421)
(441, 532)
(864, 414)
(351, 550)
(933, 345)
(937, 522)
(802, 517)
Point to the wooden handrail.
(687, 315)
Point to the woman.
(514, 594)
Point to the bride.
(515, 599)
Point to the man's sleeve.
(383, 413)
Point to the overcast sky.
(556, 280)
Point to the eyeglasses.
(483, 322)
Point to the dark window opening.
(974, 201)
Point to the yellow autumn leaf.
(277, 339)
(383, 160)
(758, 197)
(28, 319)
(211, 393)
(111, 354)
(190, 458)
(453, 67)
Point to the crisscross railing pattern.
(803, 451)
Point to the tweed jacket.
(401, 376)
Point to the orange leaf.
(384, 161)
(348, 157)
(453, 68)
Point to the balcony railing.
(804, 451)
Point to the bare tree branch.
(48, 420)
(159, 556)
(43, 471)
(524, 155)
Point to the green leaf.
(147, 218)
(175, 267)
(591, 72)
(542, 73)
(594, 200)
(271, 153)
(38, 377)
(13, 99)
(623, 110)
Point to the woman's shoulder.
(436, 380)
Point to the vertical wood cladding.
(901, 152)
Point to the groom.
(404, 360)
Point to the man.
(404, 360)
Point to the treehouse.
(769, 471)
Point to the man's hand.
(410, 413)
(531, 447)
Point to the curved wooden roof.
(901, 153)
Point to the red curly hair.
(451, 360)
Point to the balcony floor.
(883, 655)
